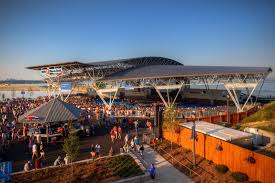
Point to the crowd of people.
(121, 117)
(10, 131)
(132, 108)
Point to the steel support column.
(168, 103)
(233, 94)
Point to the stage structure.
(90, 73)
(162, 74)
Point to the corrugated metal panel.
(162, 71)
(138, 61)
(131, 61)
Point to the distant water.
(267, 90)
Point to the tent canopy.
(51, 112)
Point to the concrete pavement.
(165, 171)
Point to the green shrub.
(176, 153)
(221, 168)
(124, 166)
(71, 147)
(239, 176)
(186, 150)
(209, 162)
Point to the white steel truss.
(102, 95)
(169, 103)
(231, 89)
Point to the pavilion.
(153, 72)
(52, 112)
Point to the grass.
(270, 128)
(102, 170)
(264, 119)
(262, 115)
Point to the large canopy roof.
(148, 68)
(217, 131)
(63, 64)
(138, 61)
(129, 61)
(53, 111)
(161, 71)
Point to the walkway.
(165, 171)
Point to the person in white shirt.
(38, 138)
(97, 149)
(27, 166)
(126, 138)
(136, 124)
(34, 151)
(66, 159)
(58, 161)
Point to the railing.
(70, 164)
(181, 164)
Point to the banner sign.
(193, 134)
(128, 87)
(32, 118)
(5, 171)
(51, 71)
(66, 87)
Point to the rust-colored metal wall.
(232, 155)
(233, 118)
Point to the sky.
(194, 32)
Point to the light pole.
(227, 101)
(194, 137)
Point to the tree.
(170, 121)
(71, 146)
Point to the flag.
(32, 118)
(5, 171)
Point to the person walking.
(126, 148)
(119, 130)
(24, 132)
(112, 135)
(141, 149)
(34, 151)
(136, 141)
(132, 144)
(66, 159)
(37, 163)
(13, 133)
(93, 151)
(38, 138)
(136, 126)
(97, 149)
(126, 138)
(149, 126)
(111, 151)
(115, 131)
(152, 171)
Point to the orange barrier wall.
(232, 155)
(233, 118)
